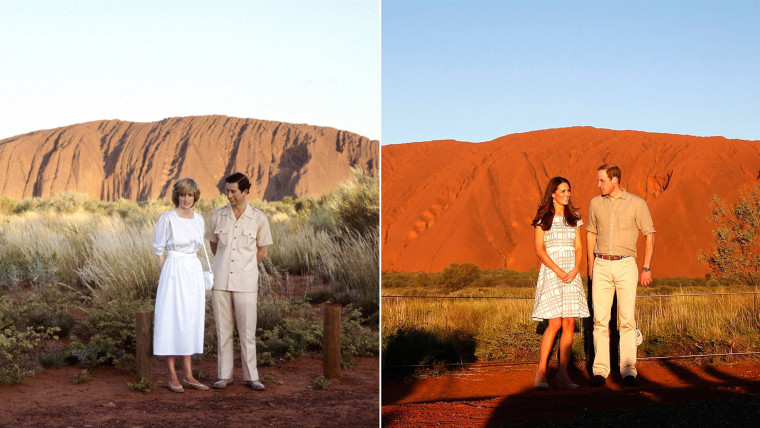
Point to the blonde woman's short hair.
(185, 186)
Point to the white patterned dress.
(554, 298)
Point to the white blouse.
(174, 233)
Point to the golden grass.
(503, 331)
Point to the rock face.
(452, 202)
(140, 161)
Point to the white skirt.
(180, 306)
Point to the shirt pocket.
(627, 231)
(223, 237)
(249, 239)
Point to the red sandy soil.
(504, 395)
(452, 202)
(51, 399)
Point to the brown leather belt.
(604, 257)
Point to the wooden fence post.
(331, 350)
(144, 337)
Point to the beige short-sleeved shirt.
(616, 223)
(238, 241)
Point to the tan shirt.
(617, 222)
(235, 267)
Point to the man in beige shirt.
(615, 219)
(239, 236)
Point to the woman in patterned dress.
(559, 290)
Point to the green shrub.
(144, 385)
(114, 325)
(356, 340)
(98, 350)
(270, 314)
(736, 252)
(52, 356)
(50, 307)
(457, 276)
(18, 347)
(355, 204)
(41, 270)
(81, 377)
(320, 383)
(10, 274)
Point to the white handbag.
(208, 275)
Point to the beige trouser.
(243, 307)
(610, 277)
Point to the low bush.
(408, 345)
(113, 324)
(19, 346)
(81, 377)
(50, 307)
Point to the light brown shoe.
(222, 383)
(198, 386)
(173, 388)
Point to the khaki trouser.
(610, 277)
(243, 307)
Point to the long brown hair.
(545, 212)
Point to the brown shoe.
(222, 383)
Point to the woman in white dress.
(181, 298)
(559, 290)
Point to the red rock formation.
(451, 202)
(140, 161)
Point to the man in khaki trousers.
(239, 236)
(615, 219)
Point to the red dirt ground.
(51, 399)
(504, 395)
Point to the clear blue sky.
(477, 70)
(66, 62)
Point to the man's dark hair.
(240, 179)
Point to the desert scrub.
(119, 263)
(302, 329)
(502, 329)
(18, 346)
(355, 205)
(320, 382)
(50, 307)
(353, 265)
(356, 339)
(114, 325)
(144, 385)
(297, 249)
(81, 377)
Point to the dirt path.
(51, 399)
(669, 393)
